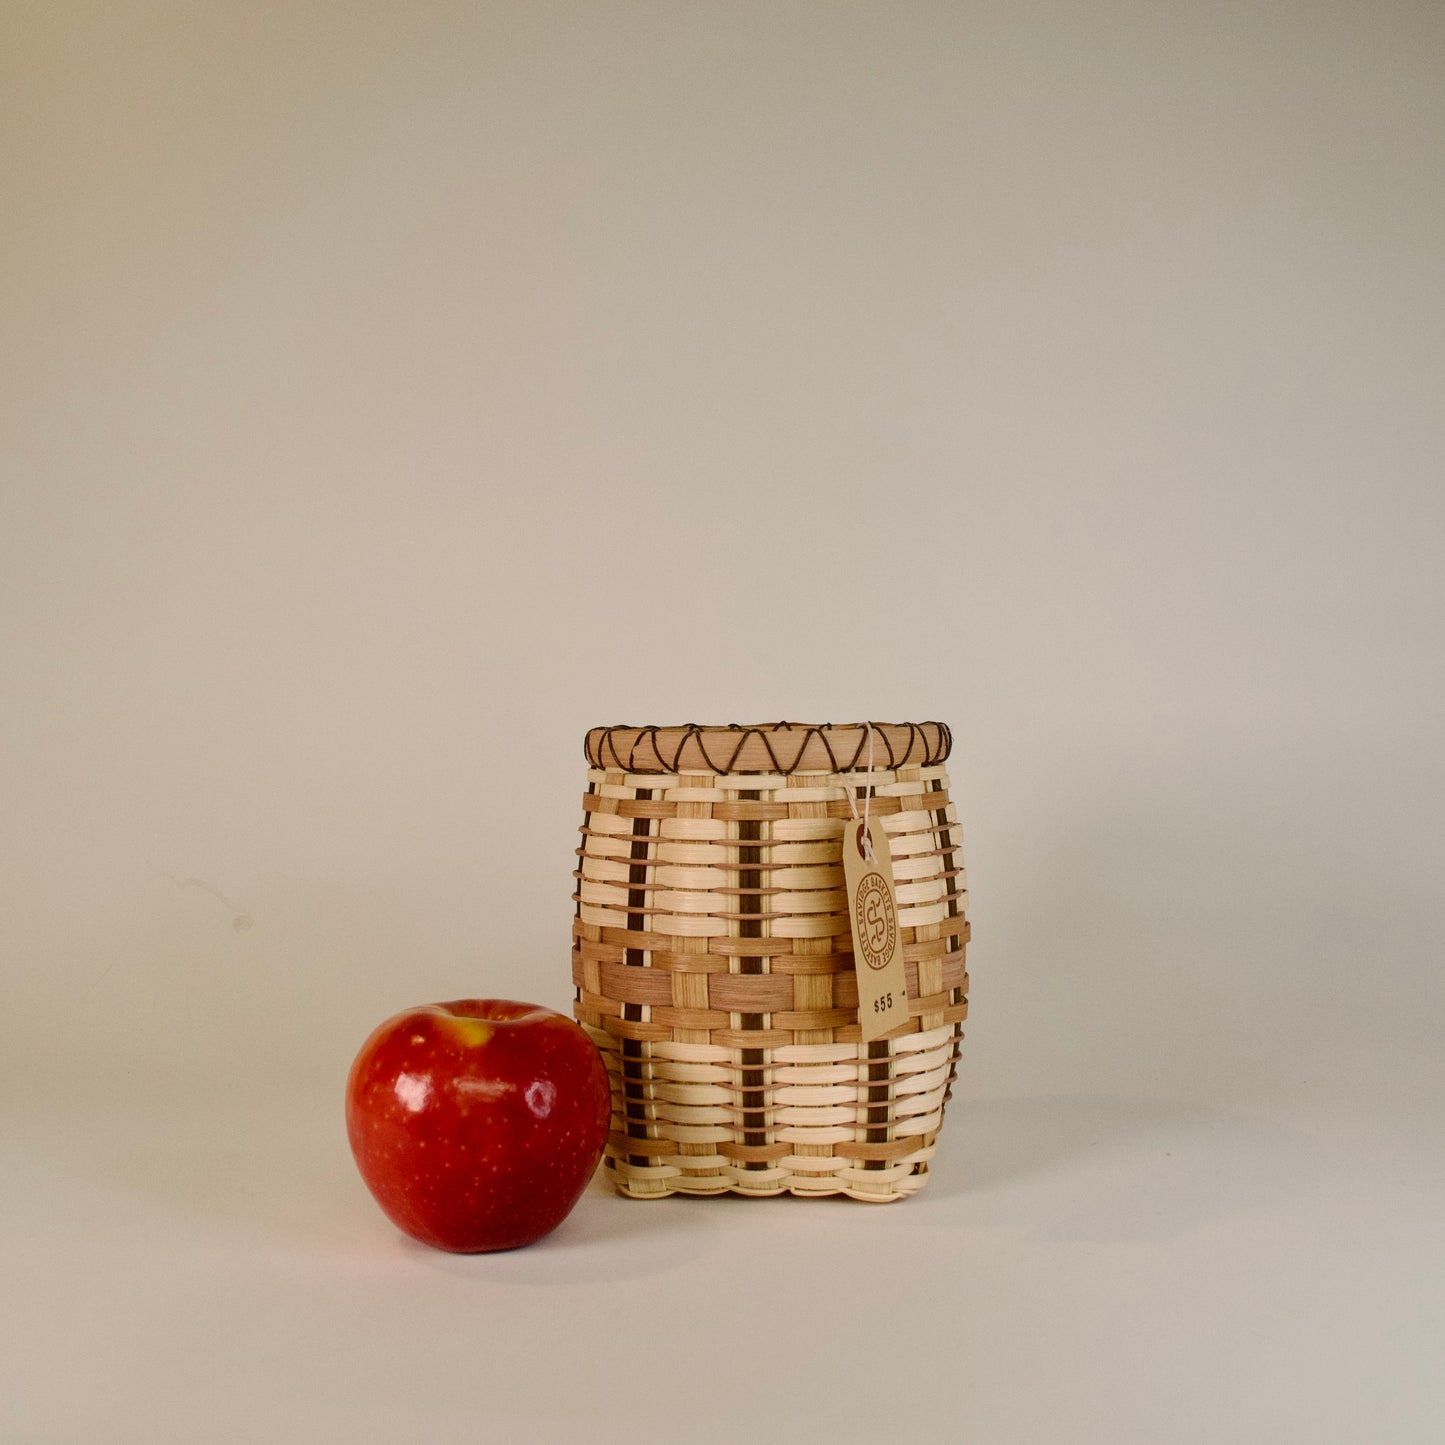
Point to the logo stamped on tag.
(875, 923)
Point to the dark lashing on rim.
(785, 747)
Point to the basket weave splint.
(713, 959)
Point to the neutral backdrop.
(390, 392)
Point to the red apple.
(477, 1124)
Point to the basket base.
(891, 1197)
(903, 1177)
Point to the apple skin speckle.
(477, 1124)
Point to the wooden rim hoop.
(773, 749)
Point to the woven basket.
(713, 960)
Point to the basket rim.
(778, 748)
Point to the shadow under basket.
(713, 958)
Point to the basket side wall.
(712, 959)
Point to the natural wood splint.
(713, 962)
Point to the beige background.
(390, 392)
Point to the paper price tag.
(873, 909)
